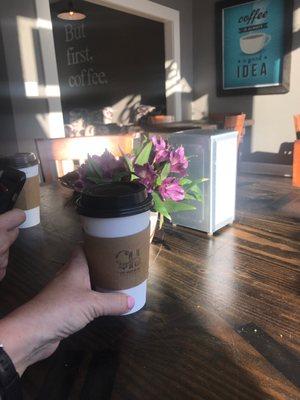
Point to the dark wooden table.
(221, 321)
(171, 127)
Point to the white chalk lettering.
(75, 57)
(87, 77)
(74, 32)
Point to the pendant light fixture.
(71, 13)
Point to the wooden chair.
(217, 118)
(161, 119)
(297, 125)
(236, 122)
(59, 156)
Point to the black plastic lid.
(114, 200)
(22, 160)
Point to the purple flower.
(170, 189)
(79, 185)
(179, 163)
(162, 149)
(147, 175)
(109, 165)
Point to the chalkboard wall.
(110, 59)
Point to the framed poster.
(254, 40)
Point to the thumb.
(111, 303)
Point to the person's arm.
(9, 231)
(66, 305)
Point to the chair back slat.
(297, 125)
(62, 149)
(236, 122)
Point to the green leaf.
(134, 177)
(139, 148)
(185, 181)
(118, 177)
(161, 220)
(192, 188)
(95, 179)
(129, 164)
(198, 197)
(180, 206)
(165, 171)
(194, 191)
(190, 196)
(127, 160)
(194, 185)
(144, 155)
(158, 181)
(93, 168)
(159, 205)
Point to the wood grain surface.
(221, 320)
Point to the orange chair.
(296, 156)
(217, 118)
(297, 125)
(236, 122)
(161, 119)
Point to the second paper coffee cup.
(29, 198)
(116, 224)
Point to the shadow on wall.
(296, 40)
(296, 35)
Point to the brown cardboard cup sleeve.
(29, 197)
(118, 263)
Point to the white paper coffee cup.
(29, 198)
(117, 237)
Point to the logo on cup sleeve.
(128, 261)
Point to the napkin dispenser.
(212, 155)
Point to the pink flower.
(170, 189)
(109, 165)
(147, 175)
(162, 150)
(179, 163)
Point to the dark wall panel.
(107, 57)
(8, 140)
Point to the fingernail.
(130, 302)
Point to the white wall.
(23, 61)
(272, 113)
(185, 7)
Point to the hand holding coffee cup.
(116, 224)
(254, 42)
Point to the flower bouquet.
(161, 168)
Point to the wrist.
(23, 337)
(10, 384)
(19, 338)
(12, 339)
